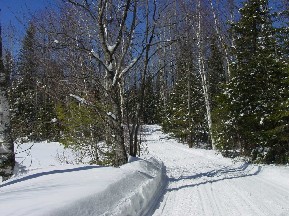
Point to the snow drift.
(85, 190)
(130, 195)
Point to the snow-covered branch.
(79, 99)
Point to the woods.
(90, 73)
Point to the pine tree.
(150, 113)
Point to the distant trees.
(185, 110)
(33, 108)
(243, 75)
(90, 73)
(101, 53)
(200, 68)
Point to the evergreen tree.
(216, 72)
(33, 110)
(150, 113)
(255, 89)
(184, 114)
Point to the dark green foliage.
(248, 112)
(7, 156)
(150, 112)
(32, 109)
(184, 115)
(216, 72)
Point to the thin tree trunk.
(204, 76)
(7, 157)
(140, 106)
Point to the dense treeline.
(212, 73)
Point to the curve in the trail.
(203, 183)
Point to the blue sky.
(18, 13)
(14, 10)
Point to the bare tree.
(115, 37)
(203, 73)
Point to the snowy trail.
(200, 182)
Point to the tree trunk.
(115, 130)
(204, 76)
(7, 157)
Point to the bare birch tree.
(204, 79)
(113, 35)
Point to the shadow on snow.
(36, 175)
(222, 174)
(213, 176)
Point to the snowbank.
(131, 195)
(85, 190)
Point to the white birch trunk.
(162, 64)
(7, 157)
(204, 76)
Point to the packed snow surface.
(201, 182)
(170, 179)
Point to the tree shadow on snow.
(37, 175)
(213, 176)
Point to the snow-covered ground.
(198, 182)
(201, 182)
(46, 185)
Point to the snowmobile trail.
(201, 182)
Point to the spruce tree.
(33, 110)
(184, 114)
(251, 97)
(216, 72)
(150, 113)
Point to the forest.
(91, 73)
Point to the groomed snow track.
(203, 183)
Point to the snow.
(79, 99)
(202, 182)
(111, 47)
(54, 120)
(59, 189)
(169, 179)
(109, 67)
(111, 115)
(32, 156)
(125, 70)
